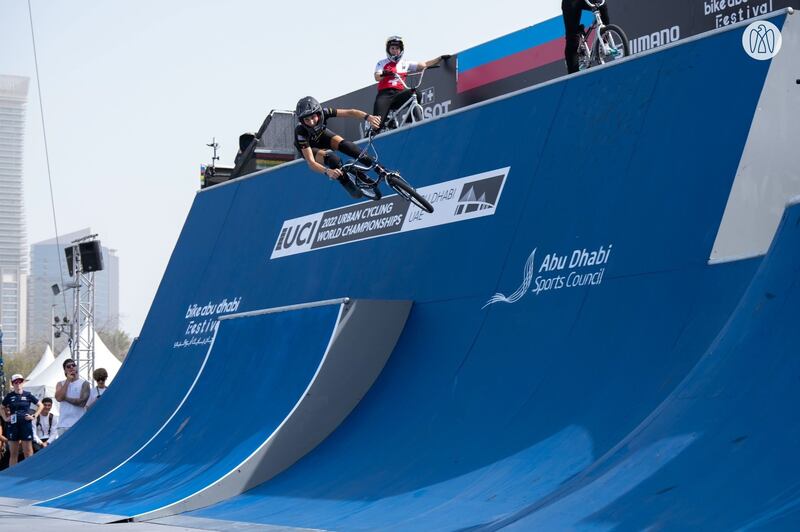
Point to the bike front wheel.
(616, 42)
(405, 190)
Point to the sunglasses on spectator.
(70, 366)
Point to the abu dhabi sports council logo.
(479, 195)
(523, 288)
(582, 267)
(762, 40)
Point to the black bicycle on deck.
(370, 187)
(610, 42)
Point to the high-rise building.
(13, 249)
(45, 272)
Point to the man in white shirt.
(44, 426)
(72, 393)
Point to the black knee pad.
(332, 160)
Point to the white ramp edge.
(364, 338)
(768, 175)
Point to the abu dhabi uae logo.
(581, 267)
(479, 195)
(762, 40)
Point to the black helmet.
(306, 107)
(395, 40)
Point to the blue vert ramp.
(548, 331)
(562, 291)
(720, 453)
(273, 385)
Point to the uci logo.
(297, 235)
(762, 40)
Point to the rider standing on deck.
(572, 10)
(316, 143)
(386, 74)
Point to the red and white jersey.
(402, 68)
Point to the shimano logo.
(655, 39)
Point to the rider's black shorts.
(322, 141)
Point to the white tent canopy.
(46, 359)
(44, 384)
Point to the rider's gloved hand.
(387, 74)
(333, 173)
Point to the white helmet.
(395, 40)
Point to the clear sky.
(133, 90)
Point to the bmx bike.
(600, 43)
(410, 111)
(357, 173)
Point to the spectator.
(44, 428)
(20, 422)
(390, 73)
(72, 393)
(100, 376)
(3, 440)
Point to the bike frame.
(401, 114)
(371, 187)
(370, 150)
(596, 27)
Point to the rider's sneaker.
(351, 189)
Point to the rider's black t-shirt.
(305, 137)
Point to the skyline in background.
(133, 92)
(13, 248)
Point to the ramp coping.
(286, 308)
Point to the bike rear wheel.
(405, 190)
(617, 42)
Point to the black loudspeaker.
(68, 252)
(91, 256)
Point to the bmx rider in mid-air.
(317, 144)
